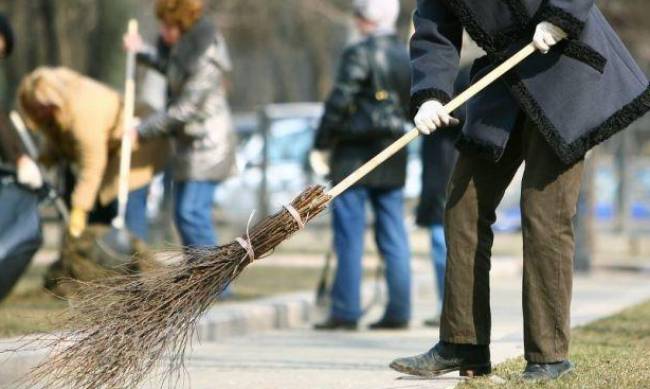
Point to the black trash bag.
(20, 231)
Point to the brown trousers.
(549, 196)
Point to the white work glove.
(28, 173)
(319, 162)
(547, 35)
(432, 116)
(133, 42)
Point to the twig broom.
(119, 331)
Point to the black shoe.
(444, 358)
(336, 324)
(546, 371)
(385, 324)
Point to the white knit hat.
(382, 12)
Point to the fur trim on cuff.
(422, 96)
(559, 17)
(479, 147)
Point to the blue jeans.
(439, 260)
(349, 221)
(193, 212)
(136, 213)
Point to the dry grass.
(29, 308)
(610, 353)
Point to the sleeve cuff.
(422, 96)
(142, 130)
(154, 125)
(559, 17)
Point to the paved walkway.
(301, 358)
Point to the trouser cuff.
(545, 358)
(471, 340)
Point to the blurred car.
(270, 176)
(606, 208)
(289, 130)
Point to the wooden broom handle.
(450, 107)
(127, 124)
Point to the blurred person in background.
(439, 157)
(193, 56)
(80, 120)
(365, 112)
(6, 37)
(11, 150)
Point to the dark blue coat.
(439, 157)
(581, 93)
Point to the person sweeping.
(582, 88)
(80, 120)
(193, 56)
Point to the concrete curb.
(297, 309)
(239, 319)
(15, 366)
(624, 267)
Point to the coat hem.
(478, 147)
(573, 152)
(422, 96)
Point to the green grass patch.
(30, 308)
(610, 353)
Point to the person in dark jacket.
(6, 37)
(439, 156)
(581, 88)
(364, 113)
(11, 150)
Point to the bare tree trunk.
(47, 12)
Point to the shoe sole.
(464, 371)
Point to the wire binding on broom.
(119, 331)
(296, 215)
(247, 246)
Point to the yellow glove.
(78, 221)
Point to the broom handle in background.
(127, 141)
(450, 107)
(23, 134)
(32, 152)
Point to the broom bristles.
(120, 330)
